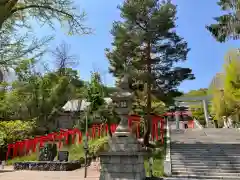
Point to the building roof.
(80, 105)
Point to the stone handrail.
(167, 161)
(197, 123)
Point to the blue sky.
(205, 58)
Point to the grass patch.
(31, 157)
(158, 156)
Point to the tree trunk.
(149, 105)
(5, 10)
(109, 130)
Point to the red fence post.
(156, 129)
(99, 131)
(162, 130)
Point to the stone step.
(186, 178)
(193, 149)
(214, 156)
(198, 177)
(215, 152)
(205, 166)
(210, 174)
(185, 170)
(189, 178)
(202, 163)
(205, 145)
(206, 142)
(199, 148)
(203, 153)
(227, 161)
(206, 159)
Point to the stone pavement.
(8, 174)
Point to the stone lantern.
(125, 158)
(122, 99)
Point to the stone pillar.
(177, 116)
(124, 161)
(205, 109)
(125, 158)
(224, 122)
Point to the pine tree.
(228, 25)
(147, 46)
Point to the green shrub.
(12, 131)
(99, 146)
(31, 157)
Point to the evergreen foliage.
(227, 26)
(147, 46)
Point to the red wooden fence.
(23, 147)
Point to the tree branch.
(73, 21)
(9, 4)
(40, 7)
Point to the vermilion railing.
(23, 147)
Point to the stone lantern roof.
(123, 88)
(123, 83)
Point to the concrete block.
(167, 168)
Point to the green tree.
(232, 86)
(44, 11)
(197, 107)
(98, 111)
(95, 93)
(227, 25)
(219, 108)
(139, 104)
(197, 93)
(16, 15)
(147, 46)
(40, 96)
(15, 46)
(226, 100)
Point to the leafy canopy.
(226, 101)
(18, 13)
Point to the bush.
(98, 146)
(12, 131)
(32, 157)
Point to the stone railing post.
(167, 161)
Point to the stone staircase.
(205, 154)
